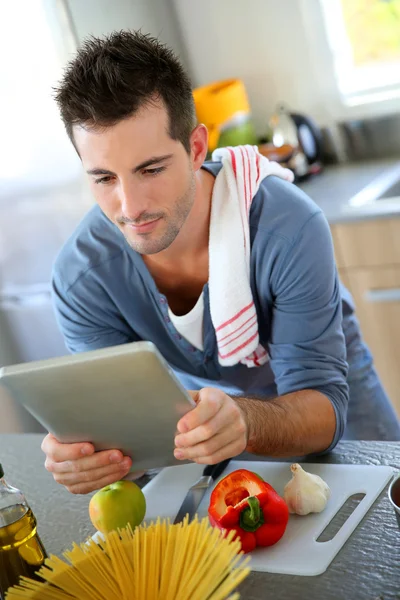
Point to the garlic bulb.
(305, 493)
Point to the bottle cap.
(1, 471)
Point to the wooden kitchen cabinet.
(368, 259)
(376, 292)
(372, 243)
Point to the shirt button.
(167, 319)
(193, 349)
(163, 300)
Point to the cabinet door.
(367, 243)
(376, 292)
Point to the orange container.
(218, 103)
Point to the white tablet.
(124, 397)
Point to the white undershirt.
(190, 326)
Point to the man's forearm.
(291, 425)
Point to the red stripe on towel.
(237, 337)
(236, 330)
(258, 167)
(233, 158)
(249, 179)
(245, 180)
(236, 350)
(235, 317)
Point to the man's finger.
(70, 478)
(96, 461)
(207, 448)
(229, 451)
(222, 420)
(195, 395)
(209, 403)
(59, 452)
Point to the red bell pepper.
(251, 507)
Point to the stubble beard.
(147, 245)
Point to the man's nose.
(131, 204)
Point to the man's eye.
(154, 171)
(105, 179)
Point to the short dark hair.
(111, 78)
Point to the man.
(137, 267)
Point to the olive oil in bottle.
(21, 550)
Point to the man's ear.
(198, 145)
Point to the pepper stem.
(251, 518)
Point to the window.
(364, 36)
(34, 46)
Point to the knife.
(198, 489)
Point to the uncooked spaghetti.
(160, 561)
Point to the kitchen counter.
(337, 184)
(367, 567)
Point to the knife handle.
(215, 471)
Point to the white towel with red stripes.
(232, 308)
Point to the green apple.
(116, 505)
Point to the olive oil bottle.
(21, 550)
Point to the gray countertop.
(337, 184)
(367, 567)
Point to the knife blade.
(197, 490)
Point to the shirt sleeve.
(307, 346)
(86, 317)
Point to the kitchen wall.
(260, 41)
(278, 47)
(99, 17)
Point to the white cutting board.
(298, 552)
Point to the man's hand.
(214, 430)
(82, 470)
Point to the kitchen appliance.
(299, 552)
(301, 134)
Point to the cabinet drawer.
(376, 293)
(367, 243)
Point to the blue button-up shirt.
(104, 295)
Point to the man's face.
(142, 179)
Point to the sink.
(392, 192)
(384, 187)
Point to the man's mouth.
(143, 227)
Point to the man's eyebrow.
(147, 163)
(100, 172)
(151, 161)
